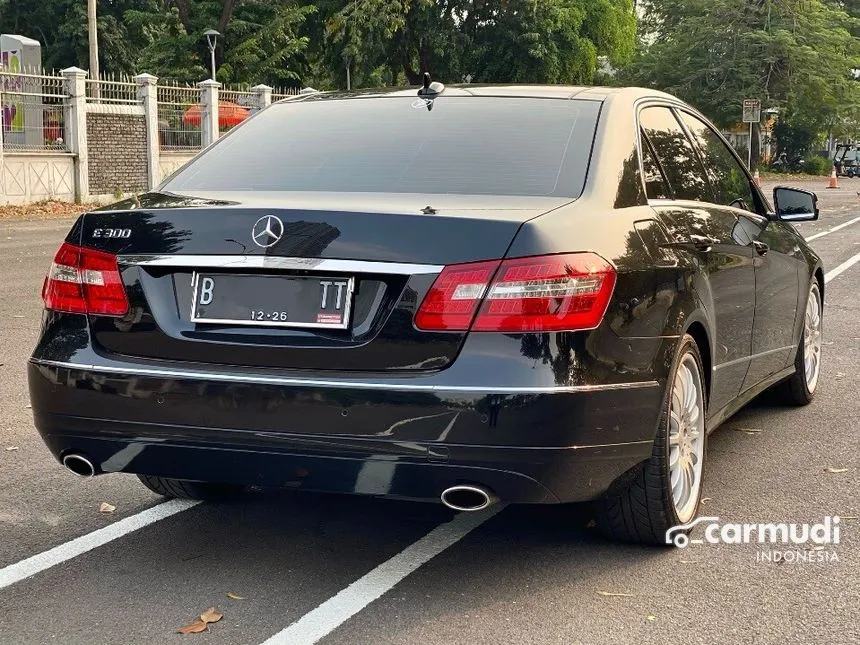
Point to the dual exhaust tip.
(79, 465)
(468, 498)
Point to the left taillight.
(84, 281)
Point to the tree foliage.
(794, 55)
(384, 42)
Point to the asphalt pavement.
(332, 569)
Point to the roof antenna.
(428, 89)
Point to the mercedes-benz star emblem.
(267, 231)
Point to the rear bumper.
(532, 445)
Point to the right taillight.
(82, 281)
(566, 292)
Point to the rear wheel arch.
(698, 331)
(819, 276)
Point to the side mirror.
(795, 205)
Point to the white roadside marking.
(850, 262)
(349, 601)
(59, 554)
(833, 230)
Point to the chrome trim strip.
(754, 356)
(359, 385)
(278, 263)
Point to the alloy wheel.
(812, 339)
(686, 437)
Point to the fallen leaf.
(836, 471)
(106, 508)
(234, 596)
(613, 594)
(211, 615)
(194, 628)
(650, 618)
(11, 448)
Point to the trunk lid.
(389, 247)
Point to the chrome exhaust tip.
(79, 465)
(468, 498)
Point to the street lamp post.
(212, 41)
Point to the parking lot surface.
(331, 569)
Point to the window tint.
(675, 153)
(655, 183)
(729, 182)
(464, 145)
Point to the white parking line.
(31, 566)
(833, 230)
(349, 601)
(850, 262)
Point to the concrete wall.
(33, 177)
(117, 153)
(170, 162)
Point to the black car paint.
(533, 416)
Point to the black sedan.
(466, 294)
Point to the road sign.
(752, 111)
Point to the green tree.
(261, 40)
(535, 41)
(795, 55)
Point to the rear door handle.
(760, 247)
(697, 242)
(703, 242)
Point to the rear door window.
(729, 181)
(656, 186)
(676, 154)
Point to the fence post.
(209, 118)
(75, 123)
(2, 166)
(147, 93)
(263, 95)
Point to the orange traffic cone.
(757, 178)
(834, 182)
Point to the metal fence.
(32, 112)
(286, 92)
(180, 114)
(112, 91)
(234, 106)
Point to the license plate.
(271, 301)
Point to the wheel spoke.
(694, 415)
(689, 389)
(675, 477)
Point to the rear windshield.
(464, 145)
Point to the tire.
(184, 489)
(800, 388)
(641, 507)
